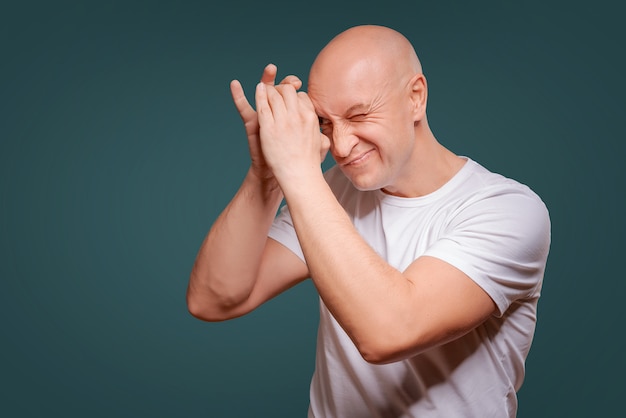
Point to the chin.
(365, 183)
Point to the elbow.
(197, 311)
(385, 347)
(209, 308)
(391, 345)
(379, 354)
(200, 309)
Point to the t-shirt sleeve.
(501, 241)
(282, 230)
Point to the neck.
(429, 167)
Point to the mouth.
(358, 160)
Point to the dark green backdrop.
(120, 145)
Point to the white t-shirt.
(495, 230)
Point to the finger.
(306, 100)
(289, 95)
(263, 108)
(269, 74)
(293, 80)
(276, 100)
(241, 102)
(306, 105)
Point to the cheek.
(389, 137)
(397, 148)
(372, 133)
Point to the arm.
(237, 267)
(389, 314)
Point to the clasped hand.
(283, 134)
(290, 137)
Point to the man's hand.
(249, 117)
(290, 137)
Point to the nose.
(342, 141)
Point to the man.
(428, 266)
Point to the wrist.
(266, 187)
(302, 183)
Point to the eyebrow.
(356, 108)
(359, 107)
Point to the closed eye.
(324, 123)
(359, 117)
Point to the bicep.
(450, 303)
(434, 304)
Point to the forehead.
(341, 105)
(343, 92)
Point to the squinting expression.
(371, 131)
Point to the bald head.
(380, 50)
(369, 92)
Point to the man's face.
(369, 122)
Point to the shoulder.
(492, 195)
(498, 233)
(501, 215)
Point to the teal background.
(120, 145)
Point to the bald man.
(428, 266)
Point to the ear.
(419, 96)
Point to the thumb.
(292, 80)
(324, 147)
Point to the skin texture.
(368, 95)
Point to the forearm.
(370, 299)
(365, 294)
(227, 263)
(388, 314)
